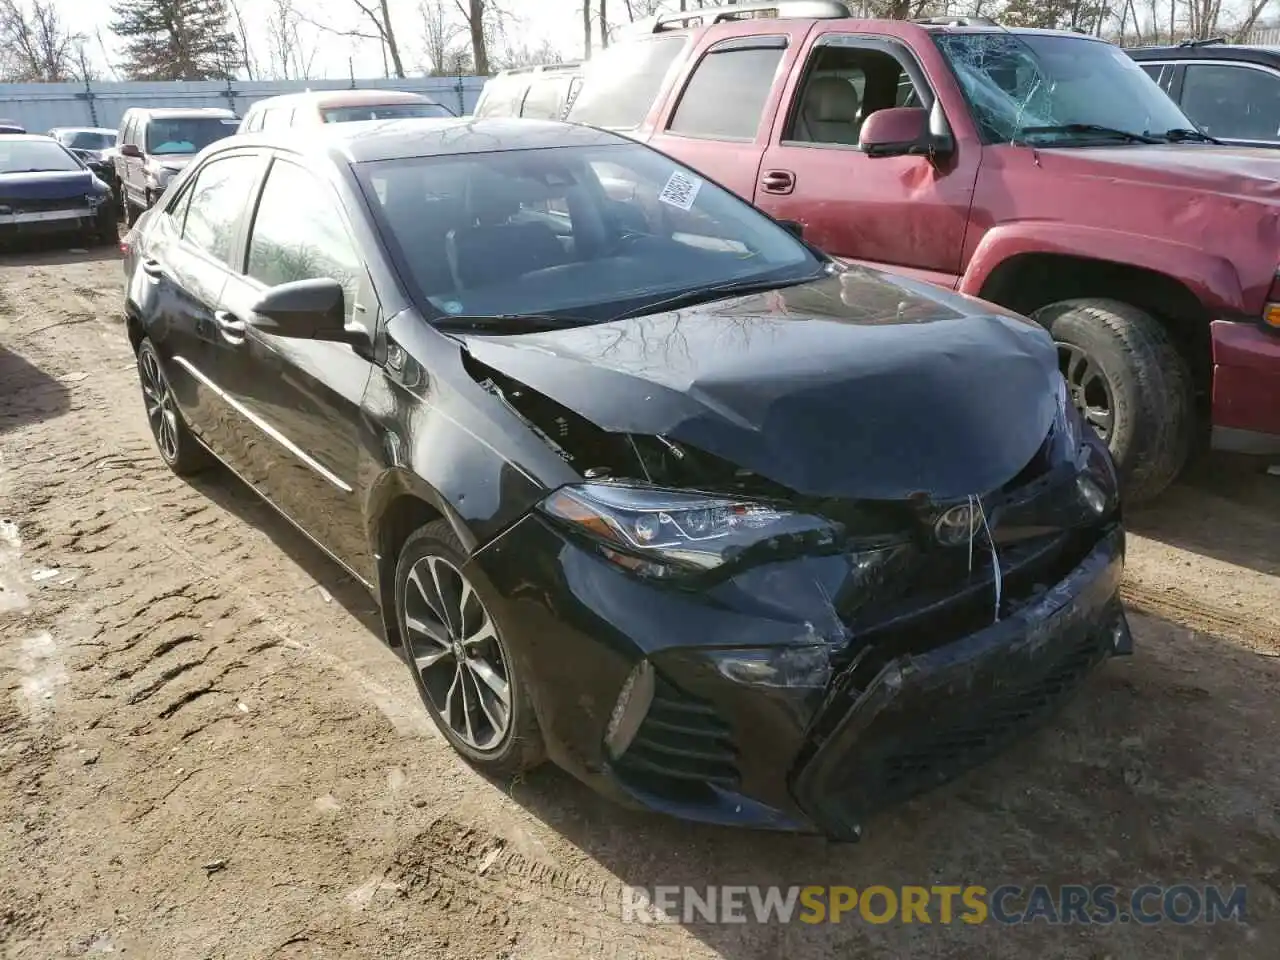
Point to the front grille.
(42, 206)
(925, 739)
(682, 746)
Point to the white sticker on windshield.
(681, 190)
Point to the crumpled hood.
(46, 185)
(862, 385)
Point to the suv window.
(130, 131)
(218, 197)
(706, 111)
(299, 234)
(545, 99)
(501, 97)
(278, 118)
(1235, 103)
(844, 86)
(621, 83)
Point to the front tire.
(1132, 386)
(178, 448)
(463, 669)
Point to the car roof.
(343, 98)
(165, 113)
(110, 130)
(1210, 51)
(370, 140)
(31, 137)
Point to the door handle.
(231, 326)
(778, 181)
(152, 268)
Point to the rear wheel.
(460, 662)
(178, 448)
(1130, 384)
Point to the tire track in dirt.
(1177, 606)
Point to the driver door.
(299, 433)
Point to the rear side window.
(622, 83)
(278, 118)
(221, 191)
(725, 97)
(501, 97)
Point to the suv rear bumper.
(1246, 383)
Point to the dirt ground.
(206, 752)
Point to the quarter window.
(218, 197)
(705, 110)
(299, 234)
(1234, 103)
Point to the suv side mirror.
(130, 150)
(306, 310)
(895, 131)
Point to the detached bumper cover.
(924, 719)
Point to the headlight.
(677, 530)
(95, 200)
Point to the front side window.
(383, 111)
(180, 135)
(218, 198)
(35, 156)
(1233, 103)
(843, 86)
(1056, 91)
(622, 82)
(705, 110)
(298, 234)
(584, 233)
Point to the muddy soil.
(206, 752)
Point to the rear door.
(900, 212)
(181, 275)
(719, 119)
(299, 400)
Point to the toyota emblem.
(958, 525)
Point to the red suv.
(1041, 170)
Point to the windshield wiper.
(512, 323)
(1185, 135)
(1096, 129)
(721, 290)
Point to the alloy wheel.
(162, 412)
(455, 648)
(1090, 392)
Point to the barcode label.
(681, 191)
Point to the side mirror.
(793, 227)
(130, 150)
(895, 131)
(306, 310)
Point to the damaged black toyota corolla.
(642, 483)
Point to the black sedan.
(642, 483)
(44, 188)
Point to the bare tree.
(439, 35)
(35, 45)
(377, 15)
(604, 24)
(484, 18)
(586, 29)
(292, 57)
(527, 56)
(246, 50)
(1255, 10)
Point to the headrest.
(831, 100)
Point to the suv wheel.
(1130, 384)
(461, 664)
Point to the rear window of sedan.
(384, 111)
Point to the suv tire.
(1111, 346)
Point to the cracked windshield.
(1058, 91)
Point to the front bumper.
(43, 222)
(720, 750)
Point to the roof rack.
(779, 9)
(957, 22)
(1203, 43)
(545, 67)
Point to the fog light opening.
(629, 712)
(1121, 638)
(1092, 495)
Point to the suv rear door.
(719, 117)
(895, 211)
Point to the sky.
(532, 21)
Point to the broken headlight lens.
(677, 529)
(1067, 422)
